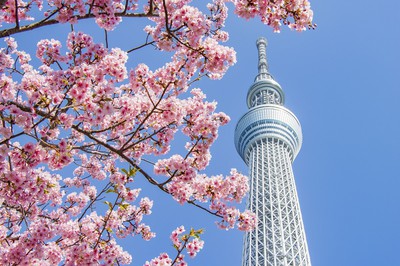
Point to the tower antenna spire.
(263, 69)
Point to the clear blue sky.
(341, 81)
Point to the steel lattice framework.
(268, 138)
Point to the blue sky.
(341, 81)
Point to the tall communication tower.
(268, 138)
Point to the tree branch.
(45, 22)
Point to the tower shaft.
(279, 238)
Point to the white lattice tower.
(268, 138)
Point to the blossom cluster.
(297, 14)
(191, 242)
(81, 116)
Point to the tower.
(268, 138)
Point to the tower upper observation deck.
(267, 117)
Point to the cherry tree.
(78, 127)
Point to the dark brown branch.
(94, 200)
(2, 3)
(140, 46)
(120, 153)
(11, 31)
(204, 209)
(106, 37)
(16, 14)
(186, 240)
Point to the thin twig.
(106, 37)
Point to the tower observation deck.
(268, 138)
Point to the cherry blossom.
(191, 242)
